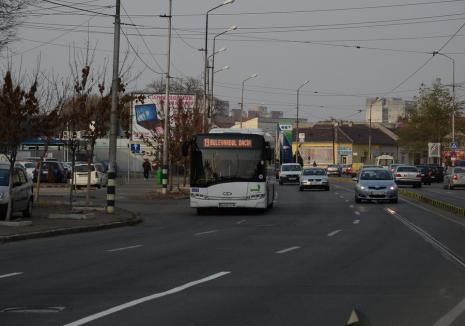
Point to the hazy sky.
(284, 42)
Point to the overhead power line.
(80, 9)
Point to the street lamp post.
(232, 28)
(297, 120)
(369, 131)
(242, 96)
(453, 91)
(213, 73)
(205, 76)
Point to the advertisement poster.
(148, 118)
(285, 143)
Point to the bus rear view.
(229, 169)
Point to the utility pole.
(167, 106)
(297, 122)
(111, 189)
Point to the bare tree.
(10, 14)
(18, 108)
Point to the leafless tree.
(10, 15)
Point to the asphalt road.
(310, 261)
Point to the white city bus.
(231, 168)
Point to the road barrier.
(433, 202)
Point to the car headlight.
(393, 188)
(362, 187)
(2, 195)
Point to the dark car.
(438, 172)
(426, 172)
(51, 171)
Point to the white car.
(290, 173)
(22, 191)
(98, 177)
(28, 166)
(314, 178)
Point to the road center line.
(240, 222)
(357, 213)
(136, 302)
(123, 248)
(11, 274)
(356, 221)
(452, 315)
(287, 250)
(206, 232)
(334, 233)
(351, 206)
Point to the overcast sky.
(284, 42)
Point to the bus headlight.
(256, 196)
(198, 196)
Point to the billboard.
(285, 142)
(148, 117)
(434, 150)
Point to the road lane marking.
(287, 250)
(452, 315)
(206, 232)
(351, 206)
(331, 234)
(240, 222)
(136, 302)
(342, 197)
(336, 193)
(356, 221)
(432, 212)
(347, 200)
(10, 274)
(357, 213)
(123, 248)
(428, 238)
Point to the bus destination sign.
(227, 143)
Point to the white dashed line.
(206, 232)
(10, 274)
(452, 315)
(136, 302)
(357, 213)
(356, 221)
(346, 200)
(287, 250)
(240, 222)
(331, 234)
(124, 248)
(351, 206)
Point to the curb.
(433, 202)
(134, 220)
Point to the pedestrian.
(314, 164)
(147, 168)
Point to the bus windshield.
(211, 166)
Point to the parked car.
(426, 172)
(334, 169)
(22, 191)
(314, 178)
(51, 171)
(408, 175)
(29, 167)
(392, 167)
(98, 178)
(347, 169)
(454, 178)
(290, 173)
(375, 184)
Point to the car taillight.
(398, 175)
(418, 175)
(430, 173)
(454, 177)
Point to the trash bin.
(158, 176)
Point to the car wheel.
(28, 211)
(327, 188)
(357, 200)
(451, 187)
(280, 183)
(201, 210)
(419, 185)
(301, 188)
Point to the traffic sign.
(135, 148)
(453, 145)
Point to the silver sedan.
(375, 184)
(314, 178)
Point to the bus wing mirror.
(185, 148)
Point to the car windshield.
(4, 177)
(291, 167)
(459, 170)
(314, 172)
(83, 168)
(375, 175)
(28, 165)
(407, 169)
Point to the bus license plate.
(226, 205)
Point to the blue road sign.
(453, 145)
(135, 148)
